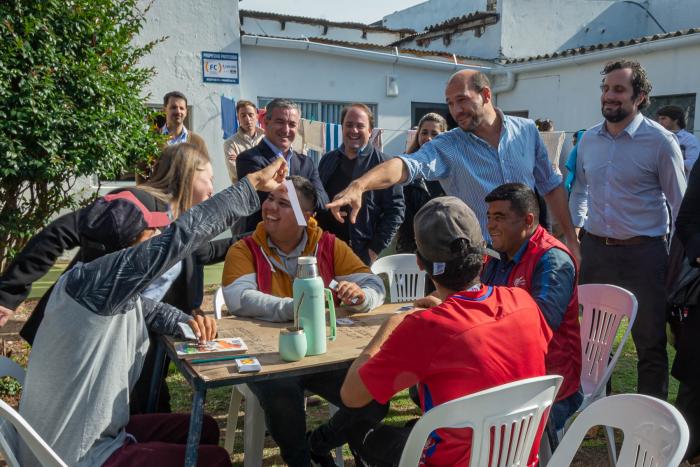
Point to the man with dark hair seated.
(257, 283)
(477, 338)
(533, 259)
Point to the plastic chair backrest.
(655, 433)
(512, 411)
(42, 451)
(406, 281)
(604, 306)
(218, 302)
(12, 423)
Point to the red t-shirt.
(471, 342)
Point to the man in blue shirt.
(487, 150)
(628, 168)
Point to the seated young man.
(257, 280)
(90, 347)
(477, 338)
(533, 259)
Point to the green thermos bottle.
(310, 298)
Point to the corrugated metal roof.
(383, 48)
(320, 22)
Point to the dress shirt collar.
(277, 150)
(630, 129)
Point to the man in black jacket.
(382, 210)
(281, 124)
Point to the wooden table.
(262, 340)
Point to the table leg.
(154, 390)
(196, 419)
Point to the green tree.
(71, 105)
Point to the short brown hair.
(174, 95)
(479, 81)
(363, 107)
(244, 103)
(640, 82)
(674, 113)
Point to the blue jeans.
(560, 413)
(283, 402)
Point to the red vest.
(324, 259)
(564, 353)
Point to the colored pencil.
(219, 359)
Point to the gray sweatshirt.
(89, 350)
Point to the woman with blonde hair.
(419, 192)
(182, 178)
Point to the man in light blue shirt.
(628, 168)
(487, 150)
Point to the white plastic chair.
(514, 412)
(406, 281)
(254, 416)
(655, 433)
(13, 424)
(604, 307)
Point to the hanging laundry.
(410, 136)
(298, 144)
(229, 122)
(553, 141)
(333, 136)
(375, 139)
(261, 118)
(313, 134)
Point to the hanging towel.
(375, 139)
(553, 141)
(229, 122)
(313, 134)
(298, 144)
(409, 138)
(333, 136)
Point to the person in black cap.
(182, 178)
(462, 341)
(91, 345)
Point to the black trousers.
(641, 269)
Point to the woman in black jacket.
(181, 179)
(685, 366)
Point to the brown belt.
(638, 240)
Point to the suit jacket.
(42, 251)
(261, 156)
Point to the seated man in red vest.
(476, 338)
(534, 260)
(257, 283)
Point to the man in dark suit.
(281, 124)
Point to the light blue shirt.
(623, 182)
(470, 168)
(180, 139)
(278, 151)
(158, 287)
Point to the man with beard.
(628, 167)
(486, 151)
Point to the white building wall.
(322, 77)
(466, 43)
(432, 12)
(570, 94)
(192, 27)
(540, 27)
(673, 15)
(295, 30)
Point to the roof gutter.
(381, 57)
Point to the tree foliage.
(71, 105)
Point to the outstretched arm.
(384, 175)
